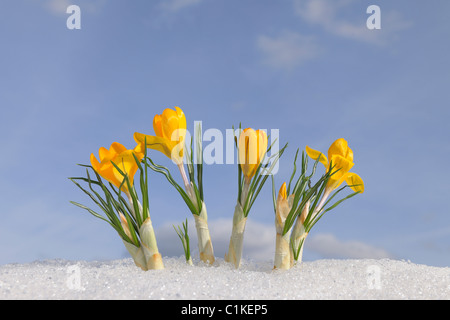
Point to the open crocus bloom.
(341, 158)
(252, 148)
(170, 130)
(122, 158)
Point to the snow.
(320, 279)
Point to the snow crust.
(321, 279)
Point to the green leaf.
(184, 237)
(274, 196)
(200, 161)
(258, 180)
(163, 170)
(293, 173)
(95, 214)
(323, 211)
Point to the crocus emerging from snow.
(170, 130)
(282, 246)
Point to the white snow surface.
(362, 279)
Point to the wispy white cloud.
(328, 246)
(177, 5)
(288, 50)
(327, 15)
(59, 7)
(259, 242)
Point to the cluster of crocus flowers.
(298, 212)
(298, 205)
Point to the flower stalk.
(298, 237)
(284, 204)
(288, 205)
(235, 247)
(170, 130)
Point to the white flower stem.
(149, 246)
(299, 232)
(201, 222)
(147, 256)
(137, 254)
(298, 238)
(235, 247)
(282, 251)
(325, 196)
(204, 239)
(234, 254)
(184, 176)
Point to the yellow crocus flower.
(341, 158)
(252, 148)
(123, 158)
(170, 130)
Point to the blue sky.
(311, 69)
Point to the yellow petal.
(117, 148)
(340, 168)
(355, 182)
(94, 162)
(340, 147)
(121, 157)
(262, 144)
(251, 148)
(104, 154)
(282, 194)
(181, 118)
(247, 142)
(155, 143)
(314, 154)
(139, 150)
(170, 123)
(283, 206)
(157, 126)
(104, 169)
(126, 162)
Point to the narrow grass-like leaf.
(253, 194)
(95, 214)
(274, 196)
(293, 173)
(184, 237)
(200, 161)
(163, 170)
(323, 211)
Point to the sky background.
(311, 69)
